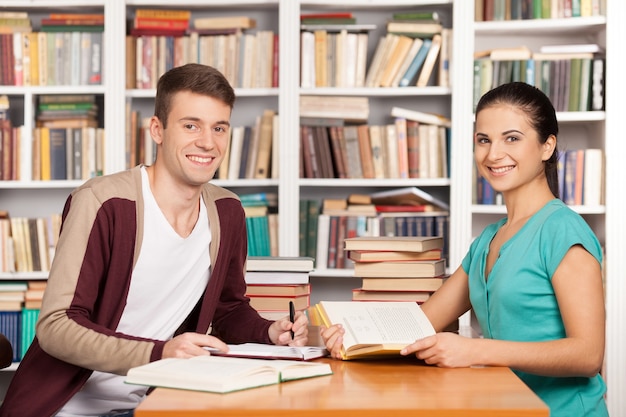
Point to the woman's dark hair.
(540, 113)
(196, 78)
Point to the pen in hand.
(292, 316)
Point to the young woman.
(534, 278)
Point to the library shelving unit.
(39, 199)
(332, 283)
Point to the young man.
(149, 265)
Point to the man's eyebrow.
(197, 119)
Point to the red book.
(335, 15)
(170, 24)
(157, 32)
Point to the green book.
(29, 319)
(66, 106)
(313, 213)
(417, 15)
(69, 28)
(303, 209)
(575, 82)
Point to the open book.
(222, 374)
(263, 351)
(376, 328)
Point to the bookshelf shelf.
(240, 92)
(21, 276)
(380, 92)
(361, 182)
(361, 4)
(501, 209)
(581, 116)
(34, 185)
(202, 4)
(39, 90)
(541, 27)
(53, 4)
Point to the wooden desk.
(391, 388)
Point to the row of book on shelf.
(336, 142)
(67, 49)
(66, 142)
(572, 76)
(580, 174)
(415, 51)
(399, 212)
(160, 39)
(27, 244)
(498, 10)
(20, 303)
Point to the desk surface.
(390, 388)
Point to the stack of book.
(164, 38)
(74, 42)
(406, 211)
(67, 142)
(20, 303)
(396, 268)
(272, 282)
(336, 141)
(160, 22)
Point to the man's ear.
(549, 147)
(156, 130)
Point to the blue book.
(530, 72)
(10, 327)
(417, 63)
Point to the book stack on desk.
(397, 268)
(273, 281)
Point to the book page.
(379, 322)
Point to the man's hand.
(280, 331)
(188, 345)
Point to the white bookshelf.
(36, 198)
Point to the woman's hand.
(333, 339)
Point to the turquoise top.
(517, 301)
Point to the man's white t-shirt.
(169, 278)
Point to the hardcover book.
(393, 243)
(222, 374)
(375, 329)
(414, 269)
